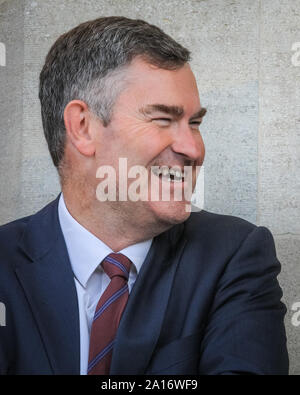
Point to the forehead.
(148, 84)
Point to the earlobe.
(78, 126)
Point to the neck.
(110, 221)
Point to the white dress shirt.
(86, 252)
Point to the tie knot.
(116, 264)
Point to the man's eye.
(195, 124)
(162, 121)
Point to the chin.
(172, 213)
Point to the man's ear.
(78, 124)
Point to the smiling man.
(122, 285)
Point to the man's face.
(155, 122)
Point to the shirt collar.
(86, 251)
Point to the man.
(132, 286)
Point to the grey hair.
(86, 63)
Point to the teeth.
(156, 171)
(177, 175)
(165, 172)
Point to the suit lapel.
(143, 317)
(48, 283)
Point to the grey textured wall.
(248, 77)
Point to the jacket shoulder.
(216, 228)
(11, 232)
(10, 236)
(218, 221)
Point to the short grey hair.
(86, 63)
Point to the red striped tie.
(108, 313)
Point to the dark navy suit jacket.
(206, 301)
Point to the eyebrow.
(199, 114)
(175, 111)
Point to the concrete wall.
(11, 107)
(248, 77)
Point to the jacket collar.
(48, 283)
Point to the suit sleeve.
(245, 331)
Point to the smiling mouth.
(168, 174)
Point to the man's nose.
(189, 142)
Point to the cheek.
(145, 140)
